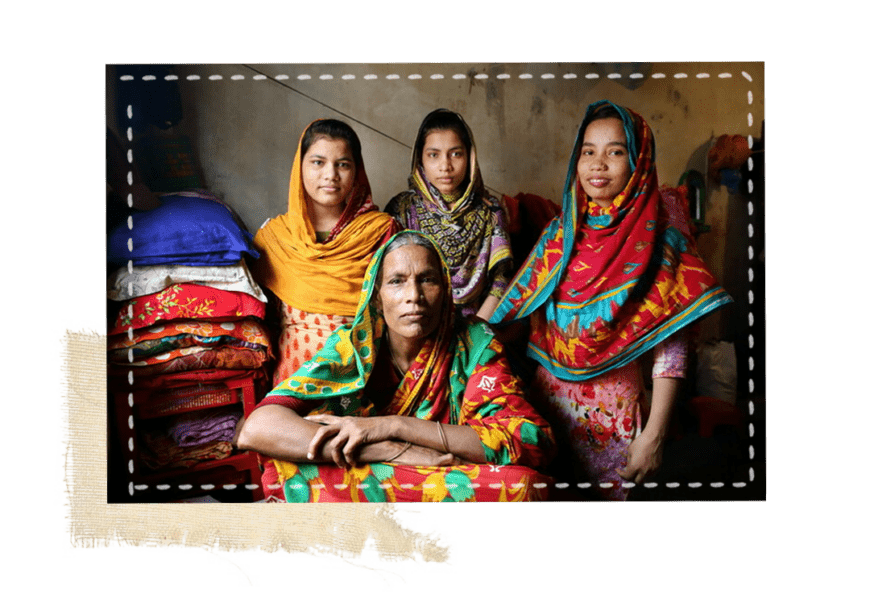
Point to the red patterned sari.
(493, 404)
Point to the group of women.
(392, 383)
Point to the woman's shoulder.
(488, 198)
(374, 213)
(370, 220)
(476, 334)
(400, 203)
(484, 200)
(476, 327)
(267, 225)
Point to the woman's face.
(328, 172)
(603, 167)
(445, 161)
(411, 292)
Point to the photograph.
(435, 282)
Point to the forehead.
(324, 146)
(443, 139)
(607, 130)
(410, 258)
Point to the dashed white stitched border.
(460, 76)
(435, 76)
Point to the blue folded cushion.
(183, 231)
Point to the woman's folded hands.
(350, 441)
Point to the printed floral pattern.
(597, 420)
(186, 301)
(389, 482)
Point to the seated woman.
(407, 403)
(447, 200)
(313, 258)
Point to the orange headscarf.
(326, 277)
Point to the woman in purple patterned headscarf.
(447, 201)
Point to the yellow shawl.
(323, 278)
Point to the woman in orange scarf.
(314, 257)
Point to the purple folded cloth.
(196, 428)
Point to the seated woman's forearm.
(462, 441)
(278, 432)
(281, 433)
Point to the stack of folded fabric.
(190, 318)
(184, 345)
(190, 438)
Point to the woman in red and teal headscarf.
(407, 403)
(609, 280)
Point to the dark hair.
(605, 111)
(440, 120)
(337, 130)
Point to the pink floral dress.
(596, 420)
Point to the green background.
(788, 550)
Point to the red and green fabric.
(387, 482)
(460, 376)
(605, 284)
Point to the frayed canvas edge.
(380, 538)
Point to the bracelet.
(443, 438)
(402, 451)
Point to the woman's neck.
(403, 351)
(451, 198)
(323, 219)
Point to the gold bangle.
(402, 451)
(443, 438)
